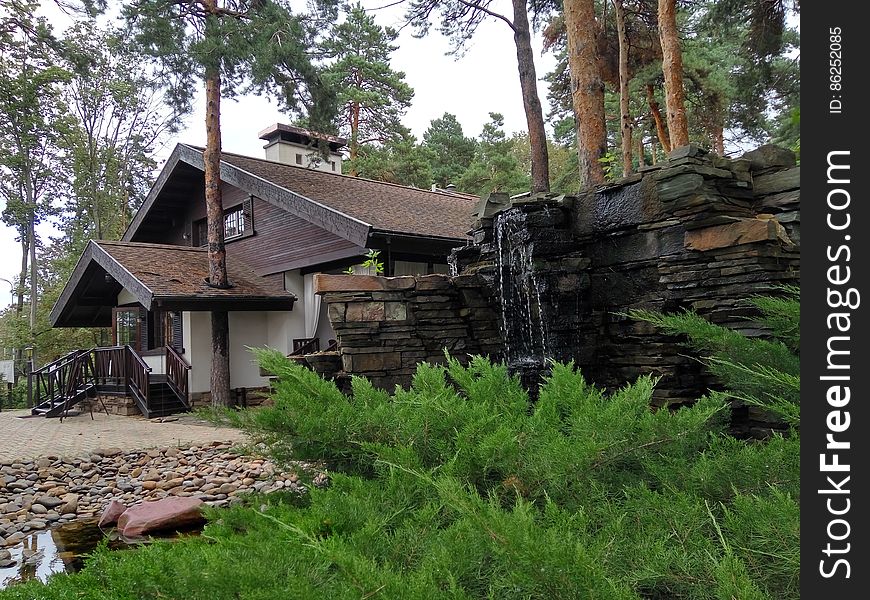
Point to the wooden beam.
(327, 218)
(153, 193)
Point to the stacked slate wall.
(387, 325)
(552, 277)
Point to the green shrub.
(462, 488)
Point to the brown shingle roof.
(385, 206)
(179, 272)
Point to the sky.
(481, 81)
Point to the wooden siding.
(280, 238)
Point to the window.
(127, 327)
(238, 222)
(298, 159)
(332, 164)
(234, 222)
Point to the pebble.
(39, 493)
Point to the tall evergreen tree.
(31, 115)
(453, 152)
(372, 97)
(459, 21)
(227, 44)
(587, 87)
(672, 67)
(495, 167)
(401, 160)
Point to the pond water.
(63, 549)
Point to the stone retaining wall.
(552, 277)
(387, 325)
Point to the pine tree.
(587, 88)
(459, 21)
(372, 96)
(672, 67)
(495, 167)
(401, 160)
(227, 44)
(453, 152)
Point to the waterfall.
(524, 318)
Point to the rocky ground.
(36, 494)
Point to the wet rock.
(111, 513)
(162, 514)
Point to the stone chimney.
(298, 147)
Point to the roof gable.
(350, 207)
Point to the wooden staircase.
(162, 399)
(60, 385)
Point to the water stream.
(524, 318)
(64, 548)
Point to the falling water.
(523, 314)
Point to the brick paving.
(22, 436)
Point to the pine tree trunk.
(624, 79)
(672, 68)
(587, 88)
(531, 101)
(641, 155)
(657, 118)
(22, 276)
(719, 139)
(354, 138)
(217, 257)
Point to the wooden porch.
(118, 370)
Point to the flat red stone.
(112, 512)
(166, 513)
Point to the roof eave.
(94, 253)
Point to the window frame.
(245, 210)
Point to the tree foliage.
(495, 168)
(372, 97)
(452, 151)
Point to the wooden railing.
(113, 369)
(110, 365)
(57, 378)
(137, 378)
(177, 370)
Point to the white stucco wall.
(278, 330)
(157, 364)
(125, 297)
(247, 329)
(197, 349)
(295, 324)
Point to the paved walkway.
(22, 436)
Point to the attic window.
(298, 159)
(238, 222)
(332, 164)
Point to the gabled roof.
(157, 276)
(351, 207)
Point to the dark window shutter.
(144, 327)
(177, 331)
(248, 211)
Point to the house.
(286, 217)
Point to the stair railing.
(177, 370)
(110, 365)
(52, 381)
(137, 378)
